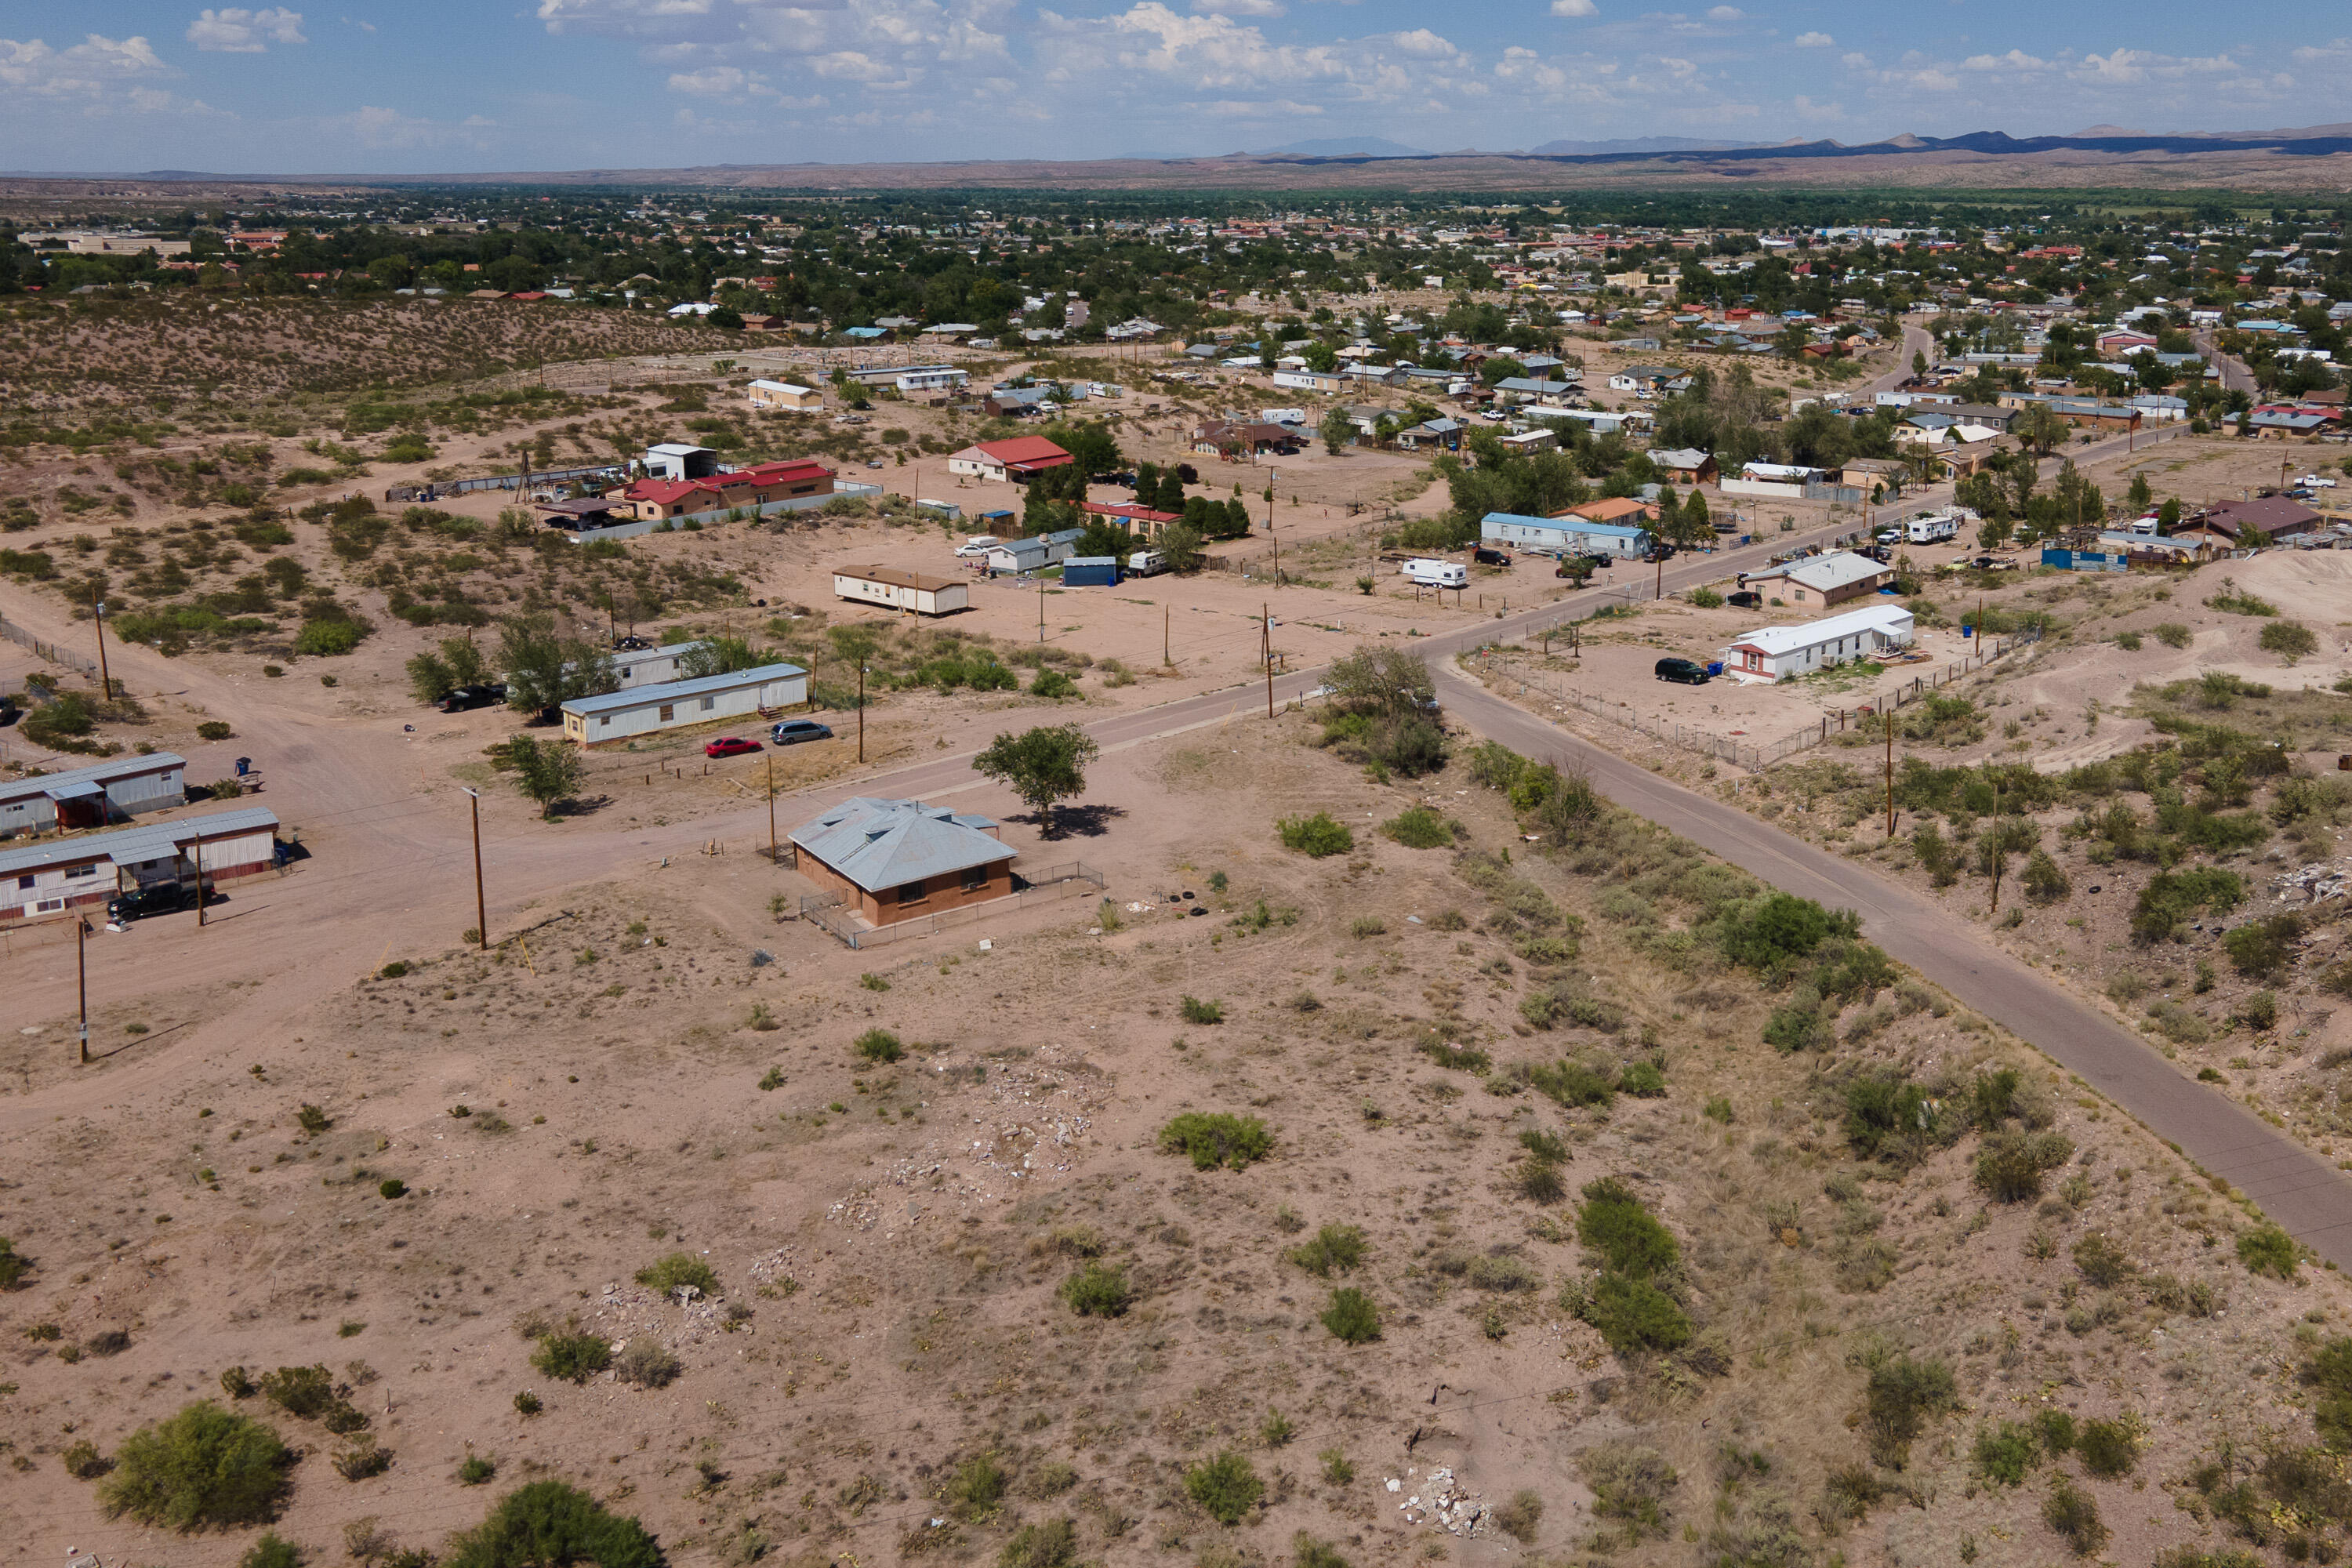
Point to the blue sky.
(418, 86)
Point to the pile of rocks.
(2309, 884)
(1438, 1499)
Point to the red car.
(729, 746)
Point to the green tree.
(549, 1524)
(545, 669)
(2040, 428)
(1180, 542)
(1336, 431)
(1384, 680)
(433, 675)
(1042, 766)
(206, 1465)
(547, 774)
(722, 656)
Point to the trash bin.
(244, 766)
(1967, 630)
(1715, 666)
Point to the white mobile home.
(786, 397)
(650, 709)
(1565, 535)
(897, 590)
(50, 878)
(1775, 653)
(638, 667)
(92, 796)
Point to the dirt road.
(2295, 1186)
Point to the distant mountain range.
(1343, 147)
(1631, 144)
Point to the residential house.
(914, 382)
(671, 705)
(1019, 555)
(1821, 581)
(1014, 458)
(61, 876)
(2263, 520)
(892, 860)
(1220, 435)
(1568, 534)
(104, 792)
(1141, 522)
(1775, 653)
(2278, 422)
(1865, 473)
(753, 490)
(897, 590)
(1514, 390)
(1657, 379)
(775, 395)
(1684, 465)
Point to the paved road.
(1916, 340)
(2295, 1186)
(2235, 376)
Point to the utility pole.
(481, 910)
(1041, 609)
(81, 981)
(1890, 768)
(1163, 635)
(772, 809)
(98, 616)
(861, 711)
(1999, 851)
(1267, 634)
(1662, 578)
(200, 884)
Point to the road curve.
(2295, 1186)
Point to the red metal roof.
(1131, 513)
(1025, 452)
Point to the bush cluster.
(1218, 1138)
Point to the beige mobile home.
(897, 590)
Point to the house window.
(912, 892)
(24, 881)
(975, 878)
(666, 715)
(706, 703)
(48, 905)
(74, 873)
(602, 720)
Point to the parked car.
(1687, 671)
(1657, 553)
(729, 746)
(469, 697)
(978, 544)
(1745, 599)
(155, 898)
(791, 731)
(1486, 556)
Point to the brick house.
(891, 860)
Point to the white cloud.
(1726, 14)
(2015, 61)
(1808, 109)
(94, 65)
(362, 26)
(235, 30)
(1855, 61)
(1238, 8)
(712, 82)
(1424, 44)
(377, 128)
(1574, 9)
(1814, 41)
(1257, 108)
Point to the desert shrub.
(680, 1269)
(2074, 1515)
(879, 1045)
(2170, 897)
(2107, 1448)
(1628, 1237)
(2009, 1166)
(1519, 1517)
(572, 1357)
(1226, 1486)
(549, 1524)
(2262, 948)
(1339, 1246)
(1881, 1110)
(2102, 1262)
(1194, 1010)
(83, 1462)
(2290, 640)
(2267, 1250)
(1568, 1082)
(1642, 1080)
(1634, 1315)
(1308, 1553)
(1053, 683)
(1705, 598)
(272, 1551)
(1419, 827)
(2172, 634)
(2056, 1430)
(1902, 1393)
(475, 1469)
(1771, 933)
(647, 1363)
(1630, 1483)
(1097, 1291)
(328, 639)
(1504, 1273)
(1317, 836)
(2004, 1454)
(1538, 1181)
(1365, 926)
(1351, 1316)
(204, 1467)
(214, 730)
(2329, 1373)
(2045, 882)
(308, 1392)
(1054, 1544)
(1213, 1138)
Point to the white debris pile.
(2309, 884)
(1440, 1500)
(684, 1317)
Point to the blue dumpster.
(1091, 571)
(1715, 666)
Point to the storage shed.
(43, 881)
(673, 705)
(897, 590)
(92, 796)
(890, 860)
(1091, 571)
